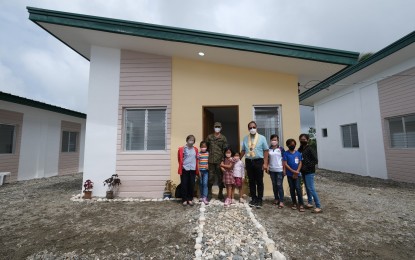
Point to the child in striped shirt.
(204, 172)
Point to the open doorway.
(229, 117)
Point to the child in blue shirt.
(292, 163)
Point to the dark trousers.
(256, 178)
(187, 180)
(215, 172)
(295, 187)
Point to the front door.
(229, 118)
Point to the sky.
(35, 65)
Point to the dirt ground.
(363, 218)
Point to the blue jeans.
(276, 179)
(204, 177)
(311, 191)
(295, 186)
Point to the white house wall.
(101, 128)
(355, 104)
(40, 140)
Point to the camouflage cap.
(218, 124)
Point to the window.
(144, 129)
(268, 121)
(402, 131)
(350, 136)
(69, 141)
(7, 138)
(324, 132)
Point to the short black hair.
(228, 149)
(273, 136)
(290, 141)
(307, 136)
(190, 136)
(202, 143)
(252, 122)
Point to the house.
(150, 86)
(39, 140)
(365, 115)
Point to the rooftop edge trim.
(174, 34)
(383, 53)
(33, 103)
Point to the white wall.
(355, 104)
(101, 127)
(40, 144)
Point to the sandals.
(276, 202)
(281, 206)
(294, 207)
(301, 209)
(317, 210)
(309, 206)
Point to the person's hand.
(265, 167)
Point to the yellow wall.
(196, 84)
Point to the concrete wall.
(102, 111)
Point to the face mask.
(203, 150)
(291, 147)
(303, 143)
(274, 143)
(190, 142)
(252, 131)
(236, 158)
(217, 129)
(228, 155)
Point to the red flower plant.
(88, 185)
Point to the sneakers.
(227, 202)
(204, 200)
(252, 203)
(258, 204)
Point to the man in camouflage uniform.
(216, 143)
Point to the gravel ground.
(363, 218)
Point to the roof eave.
(348, 71)
(192, 36)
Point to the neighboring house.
(365, 115)
(39, 140)
(150, 86)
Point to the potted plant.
(168, 190)
(112, 183)
(88, 185)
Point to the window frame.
(67, 150)
(14, 138)
(124, 128)
(279, 110)
(405, 141)
(351, 136)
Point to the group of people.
(217, 159)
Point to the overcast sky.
(35, 65)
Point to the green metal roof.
(192, 36)
(33, 103)
(388, 50)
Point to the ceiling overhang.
(80, 32)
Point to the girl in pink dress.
(228, 179)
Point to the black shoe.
(220, 196)
(258, 204)
(252, 203)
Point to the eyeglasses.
(254, 127)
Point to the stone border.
(78, 198)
